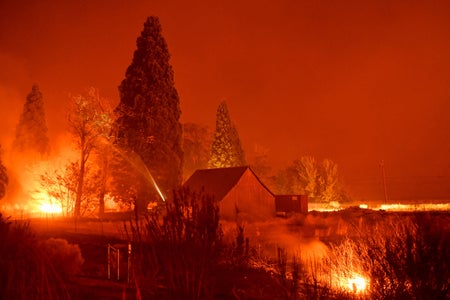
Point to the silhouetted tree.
(307, 176)
(131, 185)
(226, 149)
(148, 113)
(31, 132)
(3, 177)
(87, 125)
(320, 181)
(197, 146)
(329, 183)
(283, 181)
(104, 151)
(61, 185)
(260, 163)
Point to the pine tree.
(31, 132)
(3, 177)
(148, 112)
(226, 149)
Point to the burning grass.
(357, 253)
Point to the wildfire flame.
(51, 208)
(356, 284)
(45, 204)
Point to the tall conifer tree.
(31, 132)
(226, 149)
(148, 113)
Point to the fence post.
(118, 264)
(129, 262)
(109, 261)
(117, 251)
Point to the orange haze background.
(354, 81)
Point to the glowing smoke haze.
(357, 82)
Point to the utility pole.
(383, 175)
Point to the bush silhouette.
(178, 250)
(26, 271)
(65, 257)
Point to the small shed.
(291, 204)
(238, 190)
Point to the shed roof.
(219, 181)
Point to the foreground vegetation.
(378, 256)
(34, 268)
(186, 252)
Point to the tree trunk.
(80, 186)
(101, 196)
(105, 169)
(101, 204)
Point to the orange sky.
(358, 82)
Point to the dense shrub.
(65, 257)
(26, 271)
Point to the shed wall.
(291, 203)
(250, 198)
